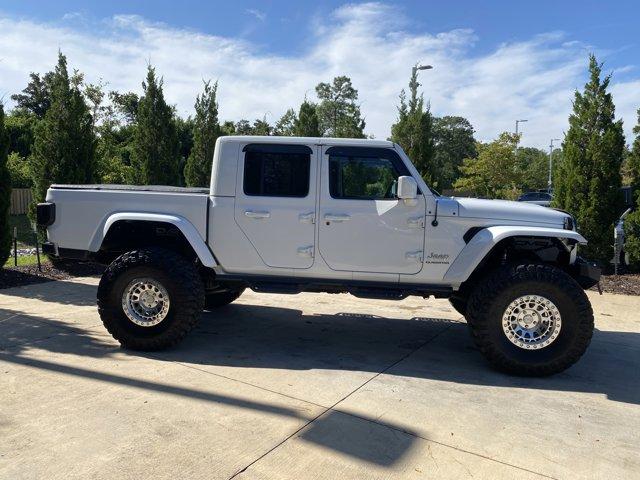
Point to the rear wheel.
(220, 299)
(150, 299)
(531, 320)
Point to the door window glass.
(362, 178)
(276, 174)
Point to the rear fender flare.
(185, 226)
(483, 241)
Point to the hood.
(507, 210)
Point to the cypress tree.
(307, 125)
(589, 180)
(155, 156)
(634, 160)
(632, 222)
(413, 130)
(5, 193)
(197, 171)
(64, 141)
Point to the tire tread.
(487, 292)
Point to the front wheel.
(149, 299)
(531, 320)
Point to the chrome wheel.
(145, 302)
(531, 322)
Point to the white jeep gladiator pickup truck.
(286, 215)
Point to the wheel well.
(547, 250)
(126, 235)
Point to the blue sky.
(494, 61)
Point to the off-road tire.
(216, 300)
(459, 304)
(178, 276)
(491, 297)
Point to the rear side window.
(276, 174)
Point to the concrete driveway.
(307, 386)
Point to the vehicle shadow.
(273, 337)
(252, 336)
(63, 292)
(249, 336)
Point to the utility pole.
(551, 162)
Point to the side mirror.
(407, 188)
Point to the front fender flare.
(483, 241)
(185, 226)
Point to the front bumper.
(587, 274)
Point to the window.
(276, 174)
(364, 178)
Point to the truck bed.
(82, 211)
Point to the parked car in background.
(539, 198)
(620, 256)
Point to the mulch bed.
(27, 275)
(626, 284)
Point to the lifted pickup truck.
(286, 215)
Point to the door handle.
(306, 252)
(256, 214)
(336, 218)
(307, 217)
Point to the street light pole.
(417, 67)
(551, 162)
(413, 86)
(515, 150)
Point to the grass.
(25, 260)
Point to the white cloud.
(372, 43)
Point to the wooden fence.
(20, 200)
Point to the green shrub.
(5, 193)
(632, 237)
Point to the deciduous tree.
(36, 97)
(494, 173)
(286, 125)
(338, 111)
(452, 142)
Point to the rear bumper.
(585, 273)
(50, 249)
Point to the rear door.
(276, 202)
(363, 226)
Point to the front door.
(363, 226)
(276, 202)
